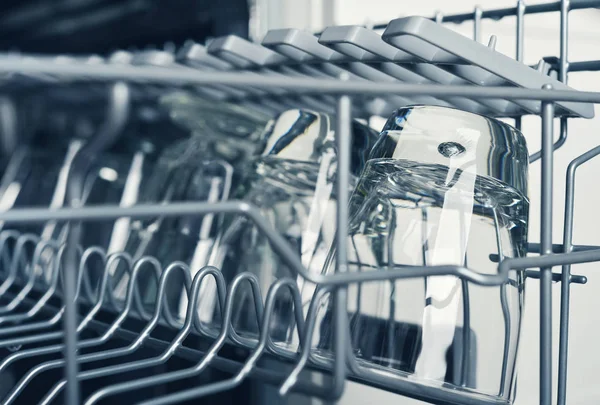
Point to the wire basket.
(79, 293)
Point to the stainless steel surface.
(546, 245)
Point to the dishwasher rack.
(49, 73)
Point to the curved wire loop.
(107, 354)
(208, 356)
(31, 275)
(254, 357)
(20, 252)
(39, 305)
(306, 346)
(143, 335)
(147, 263)
(5, 249)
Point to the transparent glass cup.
(230, 131)
(198, 162)
(441, 187)
(292, 183)
(182, 172)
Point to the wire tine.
(138, 268)
(256, 354)
(140, 307)
(101, 294)
(45, 260)
(5, 236)
(168, 312)
(83, 271)
(258, 308)
(298, 317)
(208, 356)
(113, 258)
(138, 342)
(133, 293)
(25, 259)
(229, 304)
(221, 298)
(505, 311)
(108, 280)
(311, 317)
(161, 294)
(19, 252)
(86, 284)
(37, 308)
(548, 109)
(563, 343)
(41, 246)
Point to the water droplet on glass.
(450, 149)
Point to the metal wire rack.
(25, 71)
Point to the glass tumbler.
(441, 187)
(292, 184)
(230, 131)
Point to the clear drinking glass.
(230, 131)
(197, 165)
(441, 187)
(292, 183)
(182, 172)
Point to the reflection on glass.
(230, 131)
(182, 172)
(292, 183)
(441, 187)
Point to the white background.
(541, 39)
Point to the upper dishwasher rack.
(412, 50)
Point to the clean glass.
(230, 131)
(292, 183)
(441, 187)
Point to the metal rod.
(563, 345)
(343, 138)
(585, 66)
(520, 29)
(497, 14)
(558, 248)
(466, 335)
(300, 85)
(477, 24)
(116, 118)
(556, 259)
(563, 70)
(562, 138)
(505, 313)
(70, 315)
(565, 290)
(507, 332)
(564, 40)
(282, 248)
(557, 277)
(520, 37)
(546, 244)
